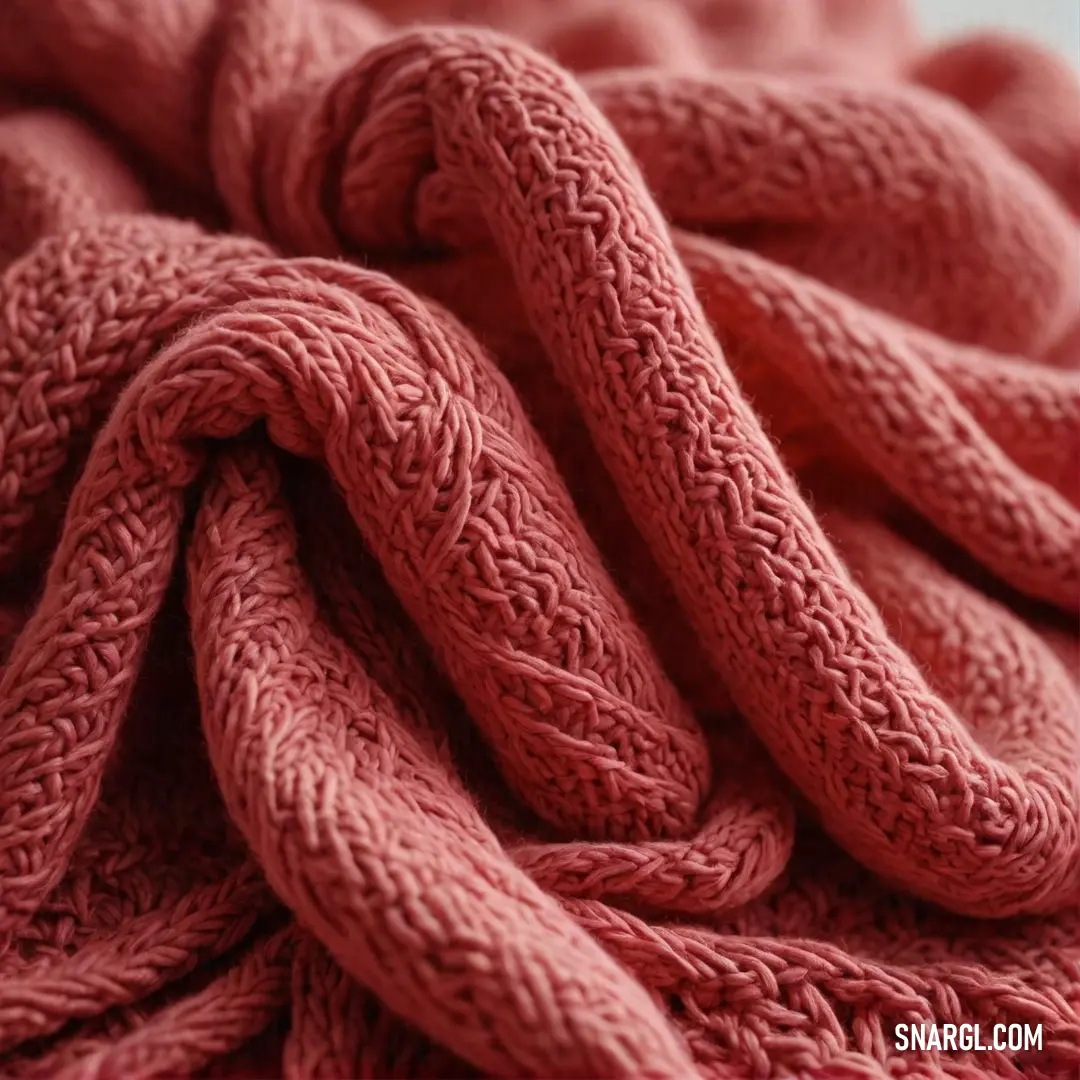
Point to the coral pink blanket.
(537, 538)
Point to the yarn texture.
(537, 538)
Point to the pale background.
(1054, 22)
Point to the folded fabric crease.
(536, 538)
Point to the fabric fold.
(536, 538)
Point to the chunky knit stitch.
(537, 537)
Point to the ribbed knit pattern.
(537, 538)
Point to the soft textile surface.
(536, 539)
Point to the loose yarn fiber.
(536, 539)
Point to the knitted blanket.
(537, 538)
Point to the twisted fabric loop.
(543, 541)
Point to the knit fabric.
(537, 538)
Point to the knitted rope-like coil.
(542, 574)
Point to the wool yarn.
(537, 538)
